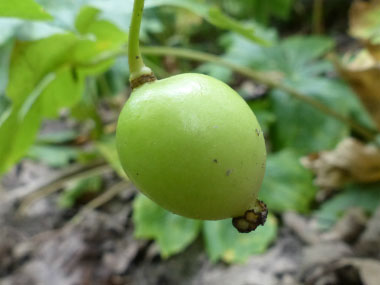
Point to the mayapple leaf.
(23, 9)
(287, 184)
(49, 74)
(224, 242)
(171, 232)
(214, 16)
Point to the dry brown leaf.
(363, 72)
(364, 20)
(351, 161)
(374, 50)
(363, 75)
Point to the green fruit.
(192, 145)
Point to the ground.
(43, 245)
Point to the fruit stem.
(140, 73)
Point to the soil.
(42, 246)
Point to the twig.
(318, 26)
(55, 183)
(102, 199)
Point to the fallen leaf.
(364, 20)
(351, 161)
(363, 73)
(374, 50)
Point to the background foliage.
(66, 59)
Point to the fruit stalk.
(140, 73)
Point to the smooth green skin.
(192, 145)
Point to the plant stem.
(317, 19)
(264, 78)
(54, 183)
(137, 68)
(102, 199)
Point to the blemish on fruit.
(137, 57)
(228, 172)
(215, 160)
(137, 174)
(257, 132)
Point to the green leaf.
(87, 15)
(5, 108)
(224, 242)
(5, 55)
(213, 15)
(64, 91)
(58, 137)
(304, 128)
(86, 111)
(297, 56)
(107, 148)
(101, 36)
(366, 197)
(263, 113)
(172, 233)
(54, 156)
(296, 59)
(42, 80)
(88, 22)
(20, 132)
(78, 189)
(32, 61)
(31, 70)
(259, 10)
(24, 9)
(243, 52)
(287, 185)
(217, 18)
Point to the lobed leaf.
(24, 9)
(49, 74)
(224, 242)
(287, 186)
(171, 232)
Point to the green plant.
(191, 143)
(73, 57)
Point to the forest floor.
(43, 245)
